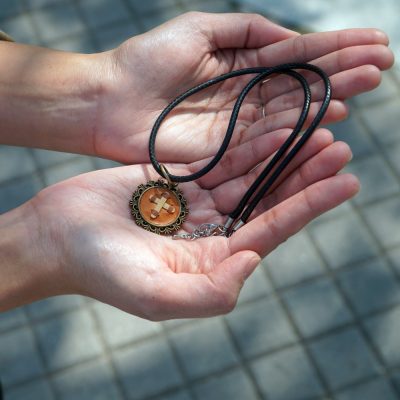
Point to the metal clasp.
(203, 230)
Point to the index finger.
(268, 230)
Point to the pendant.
(158, 207)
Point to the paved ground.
(319, 319)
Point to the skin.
(105, 104)
(86, 242)
(78, 236)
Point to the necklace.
(160, 207)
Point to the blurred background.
(320, 317)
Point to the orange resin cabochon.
(164, 218)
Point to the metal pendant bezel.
(138, 217)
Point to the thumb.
(229, 276)
(199, 295)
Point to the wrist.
(48, 99)
(28, 268)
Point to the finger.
(344, 85)
(267, 231)
(233, 31)
(305, 48)
(199, 295)
(241, 159)
(337, 111)
(328, 162)
(228, 195)
(333, 63)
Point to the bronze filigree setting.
(158, 207)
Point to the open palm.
(150, 70)
(102, 253)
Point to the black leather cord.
(262, 73)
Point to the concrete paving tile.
(376, 178)
(42, 3)
(120, 328)
(371, 390)
(93, 380)
(316, 307)
(344, 358)
(396, 73)
(370, 286)
(52, 306)
(147, 368)
(15, 162)
(287, 375)
(396, 380)
(110, 37)
(173, 323)
(145, 7)
(384, 220)
(17, 192)
(68, 339)
(211, 6)
(76, 166)
(260, 326)
(293, 261)
(9, 8)
(102, 12)
(233, 385)
(179, 395)
(394, 258)
(19, 359)
(204, 347)
(57, 21)
(385, 91)
(256, 285)
(47, 158)
(383, 329)
(353, 133)
(392, 152)
(382, 121)
(20, 28)
(12, 319)
(343, 240)
(37, 389)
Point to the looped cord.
(262, 74)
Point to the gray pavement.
(320, 317)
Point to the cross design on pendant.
(161, 203)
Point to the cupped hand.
(86, 230)
(148, 71)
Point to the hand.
(86, 242)
(148, 71)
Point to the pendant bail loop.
(166, 175)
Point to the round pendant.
(158, 207)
